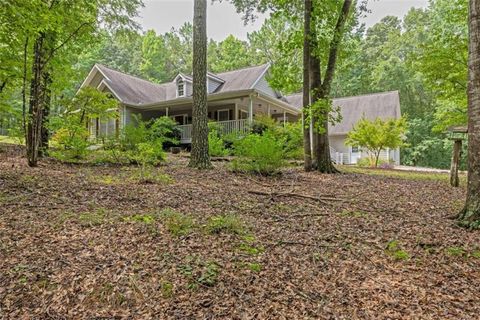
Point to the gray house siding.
(263, 86)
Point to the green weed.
(94, 218)
(393, 250)
(225, 224)
(142, 218)
(255, 267)
(166, 289)
(455, 251)
(176, 223)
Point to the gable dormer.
(213, 82)
(183, 85)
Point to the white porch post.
(166, 111)
(268, 109)
(284, 118)
(250, 110)
(235, 114)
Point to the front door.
(354, 155)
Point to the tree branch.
(334, 46)
(70, 37)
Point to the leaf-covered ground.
(84, 242)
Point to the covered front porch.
(232, 114)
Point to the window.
(243, 114)
(180, 88)
(223, 115)
(181, 119)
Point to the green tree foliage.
(229, 54)
(70, 126)
(377, 135)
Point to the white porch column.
(166, 111)
(250, 110)
(284, 118)
(268, 109)
(235, 114)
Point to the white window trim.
(184, 87)
(218, 114)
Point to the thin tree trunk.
(470, 215)
(45, 133)
(457, 152)
(307, 147)
(24, 89)
(199, 155)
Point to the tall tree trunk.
(470, 215)
(307, 147)
(35, 110)
(199, 155)
(45, 133)
(322, 146)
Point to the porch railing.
(225, 127)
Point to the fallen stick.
(291, 194)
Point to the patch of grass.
(107, 179)
(209, 274)
(94, 218)
(254, 266)
(455, 251)
(406, 175)
(142, 218)
(353, 214)
(249, 249)
(394, 250)
(176, 223)
(166, 288)
(150, 175)
(475, 254)
(200, 272)
(228, 223)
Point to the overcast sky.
(222, 19)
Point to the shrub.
(216, 146)
(165, 129)
(263, 123)
(73, 143)
(260, 154)
(290, 136)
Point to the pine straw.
(318, 259)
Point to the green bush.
(72, 142)
(260, 154)
(290, 136)
(263, 123)
(166, 129)
(216, 147)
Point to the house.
(234, 99)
